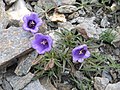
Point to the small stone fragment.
(25, 64)
(58, 17)
(104, 22)
(14, 42)
(116, 41)
(100, 83)
(47, 84)
(115, 86)
(46, 4)
(73, 15)
(66, 25)
(67, 9)
(66, 1)
(3, 16)
(54, 37)
(9, 2)
(6, 85)
(1, 88)
(34, 85)
(17, 82)
(92, 30)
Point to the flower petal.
(87, 54)
(81, 60)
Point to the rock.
(26, 63)
(34, 85)
(79, 75)
(1, 88)
(14, 42)
(58, 17)
(106, 74)
(104, 22)
(29, 7)
(62, 86)
(73, 15)
(82, 12)
(117, 52)
(18, 11)
(1, 76)
(47, 84)
(67, 9)
(115, 86)
(9, 2)
(66, 25)
(3, 16)
(6, 85)
(62, 2)
(46, 4)
(116, 41)
(100, 83)
(54, 37)
(92, 30)
(38, 9)
(17, 82)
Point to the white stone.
(115, 86)
(18, 10)
(100, 83)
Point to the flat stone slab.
(14, 41)
(35, 85)
(18, 83)
(26, 63)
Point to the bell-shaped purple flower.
(32, 22)
(80, 53)
(42, 43)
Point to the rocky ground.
(92, 22)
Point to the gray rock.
(106, 74)
(117, 52)
(14, 42)
(104, 22)
(100, 83)
(46, 4)
(116, 41)
(1, 88)
(62, 2)
(9, 2)
(115, 86)
(25, 64)
(82, 12)
(73, 15)
(19, 82)
(79, 75)
(3, 16)
(67, 9)
(54, 37)
(6, 85)
(88, 25)
(47, 84)
(39, 10)
(34, 85)
(1, 78)
(65, 25)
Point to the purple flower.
(32, 22)
(42, 43)
(80, 53)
